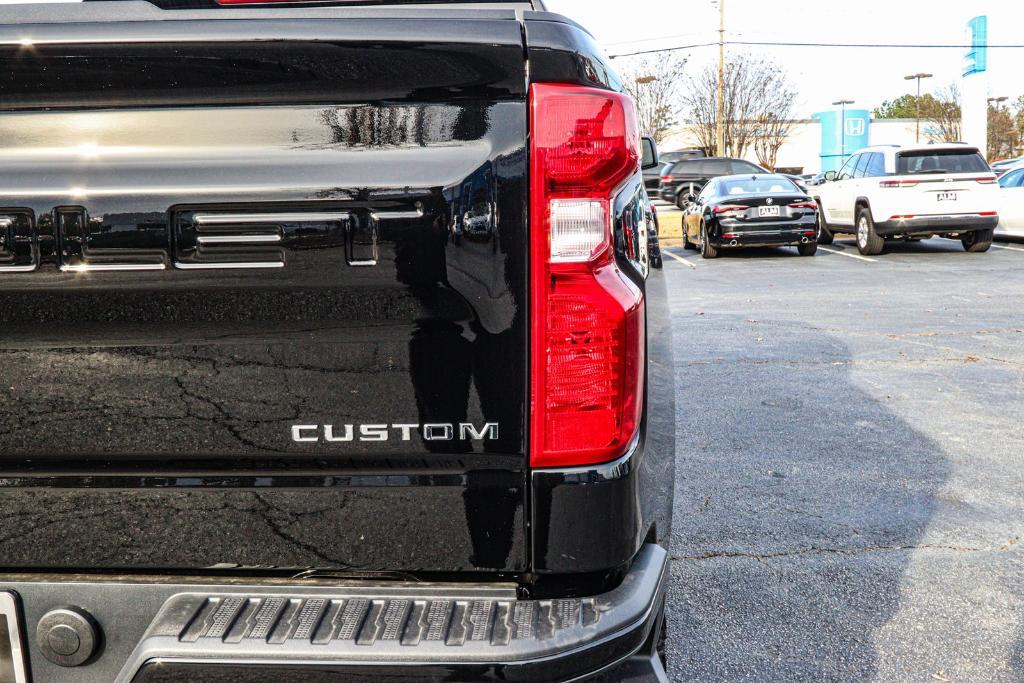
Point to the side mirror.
(830, 176)
(650, 153)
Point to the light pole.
(842, 125)
(917, 102)
(720, 108)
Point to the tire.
(706, 250)
(679, 202)
(979, 241)
(809, 249)
(868, 241)
(656, 261)
(825, 236)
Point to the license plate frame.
(768, 212)
(13, 654)
(946, 196)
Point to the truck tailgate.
(263, 293)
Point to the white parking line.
(843, 253)
(1003, 246)
(679, 258)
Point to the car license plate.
(767, 211)
(946, 196)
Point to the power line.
(794, 44)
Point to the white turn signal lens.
(579, 229)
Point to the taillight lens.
(986, 180)
(803, 205)
(588, 322)
(728, 208)
(898, 183)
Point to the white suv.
(910, 193)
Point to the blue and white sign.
(977, 58)
(842, 134)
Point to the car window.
(847, 170)
(967, 160)
(710, 190)
(714, 167)
(760, 185)
(745, 167)
(862, 164)
(876, 165)
(1013, 178)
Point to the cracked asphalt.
(849, 477)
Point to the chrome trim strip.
(99, 267)
(395, 215)
(268, 218)
(236, 239)
(240, 265)
(19, 269)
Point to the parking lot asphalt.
(849, 475)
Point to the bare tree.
(943, 116)
(655, 84)
(759, 105)
(1003, 134)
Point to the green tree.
(905, 107)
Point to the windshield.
(941, 161)
(773, 185)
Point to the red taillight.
(728, 208)
(666, 178)
(986, 180)
(803, 205)
(988, 214)
(898, 183)
(587, 317)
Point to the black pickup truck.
(330, 348)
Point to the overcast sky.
(822, 75)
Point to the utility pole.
(842, 125)
(720, 108)
(917, 102)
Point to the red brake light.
(898, 183)
(986, 180)
(666, 178)
(726, 208)
(587, 316)
(803, 205)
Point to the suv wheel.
(977, 241)
(680, 202)
(824, 234)
(706, 250)
(868, 241)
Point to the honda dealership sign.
(974, 103)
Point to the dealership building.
(816, 144)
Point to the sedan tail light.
(728, 208)
(587, 318)
(985, 180)
(803, 205)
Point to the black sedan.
(739, 211)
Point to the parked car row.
(882, 193)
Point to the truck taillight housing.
(587, 317)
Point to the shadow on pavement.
(798, 500)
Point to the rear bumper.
(765, 237)
(936, 224)
(163, 632)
